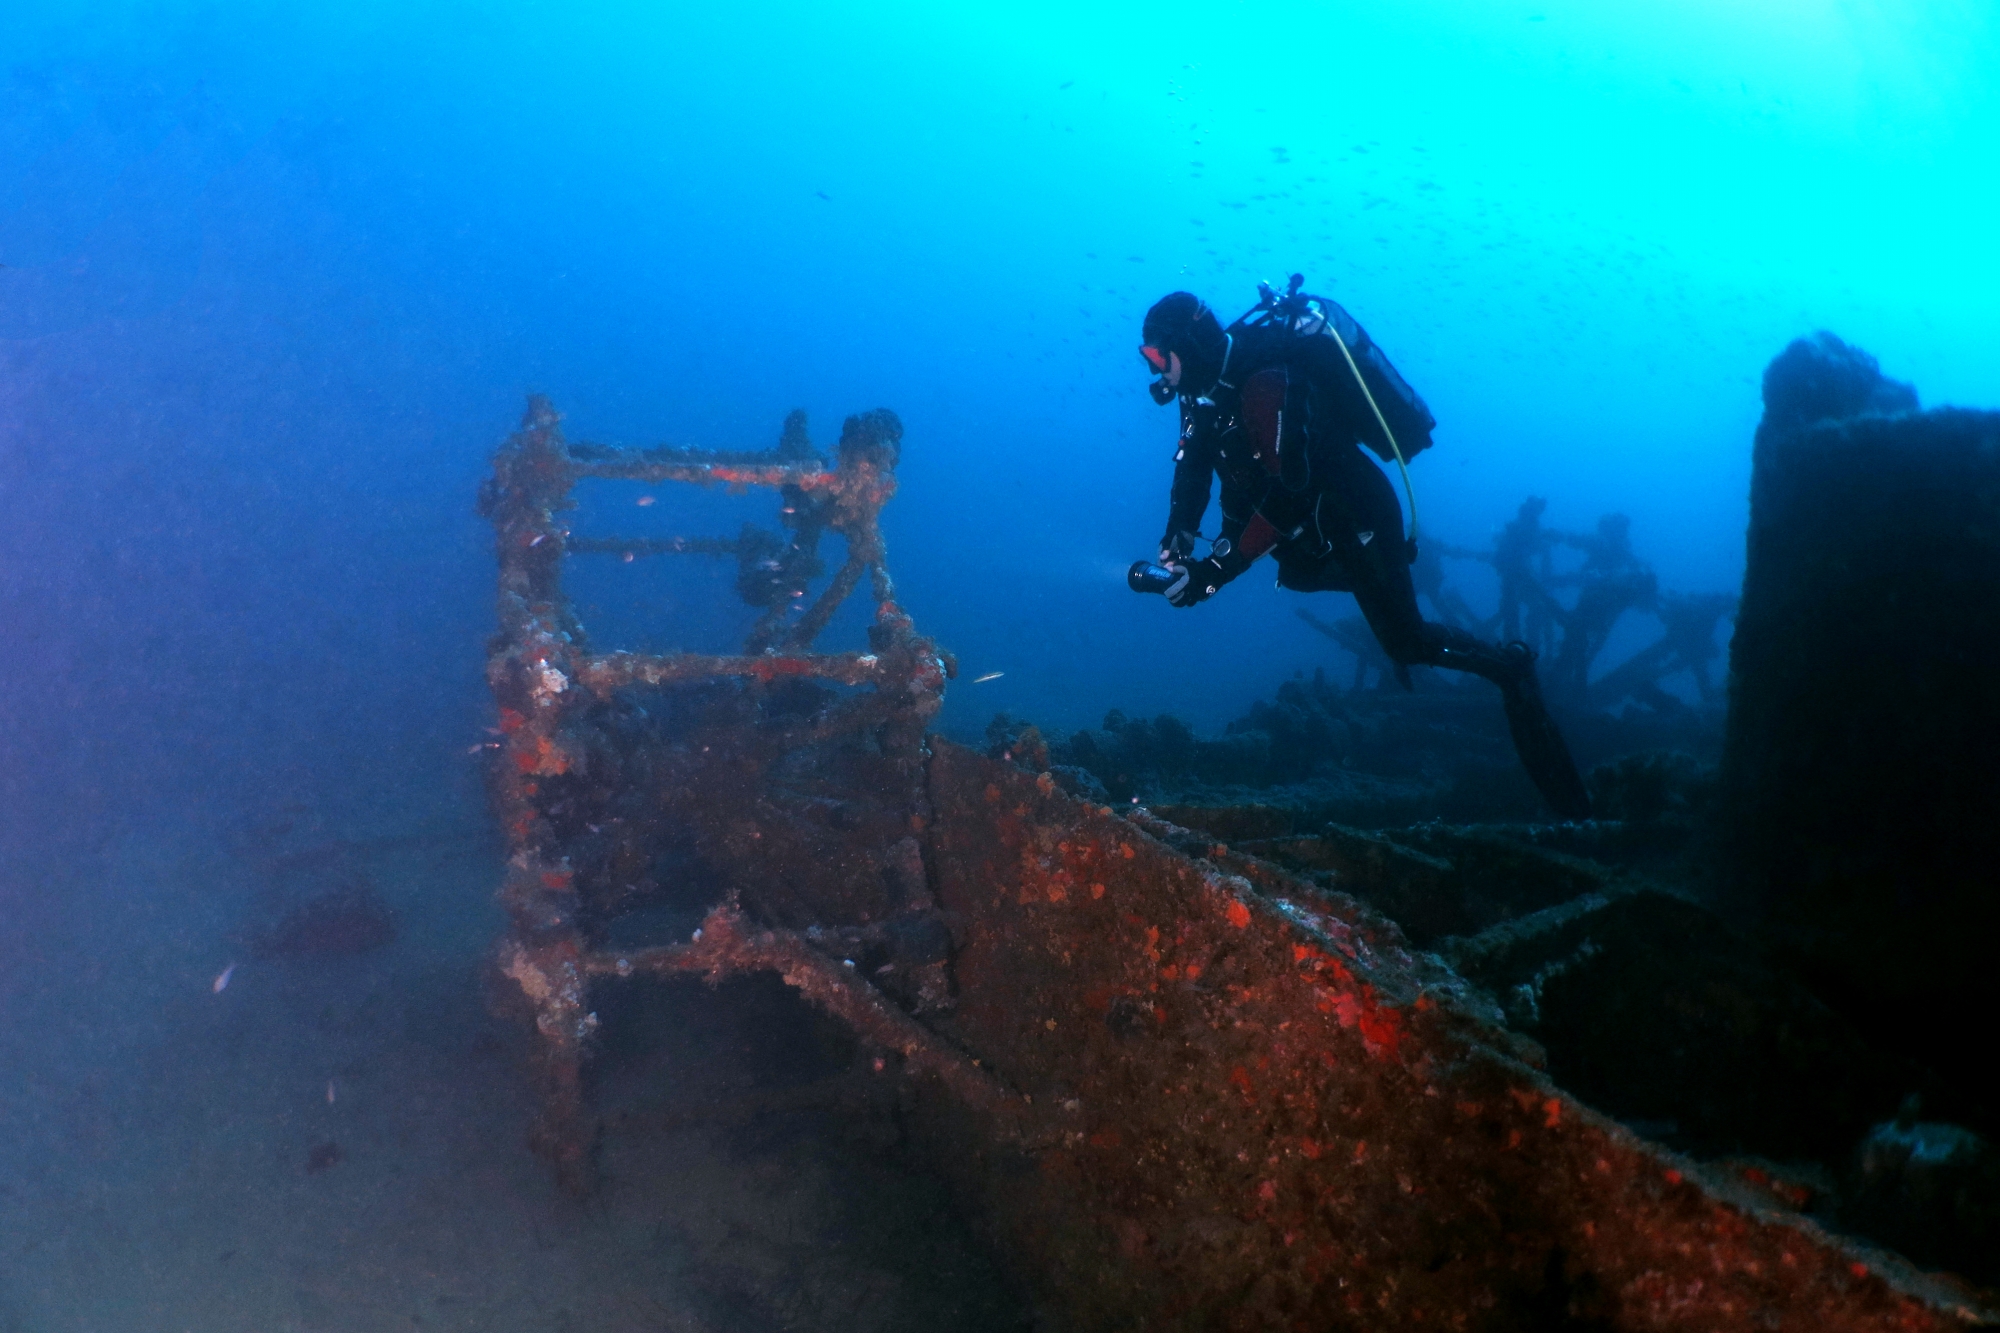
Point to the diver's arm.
(1194, 477)
(1245, 535)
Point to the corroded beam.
(728, 944)
(636, 546)
(602, 675)
(637, 467)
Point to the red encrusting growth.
(1284, 1119)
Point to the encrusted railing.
(589, 784)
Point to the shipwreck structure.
(1184, 1083)
(728, 772)
(1863, 760)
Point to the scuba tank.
(1406, 423)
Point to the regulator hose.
(1383, 422)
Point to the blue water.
(276, 283)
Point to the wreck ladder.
(546, 681)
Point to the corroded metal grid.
(567, 877)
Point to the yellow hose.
(1382, 421)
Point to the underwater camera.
(1145, 576)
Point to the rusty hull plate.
(1254, 1107)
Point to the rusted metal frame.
(540, 671)
(636, 546)
(830, 600)
(862, 553)
(897, 711)
(875, 553)
(764, 634)
(859, 506)
(810, 520)
(529, 667)
(729, 944)
(603, 674)
(909, 679)
(860, 491)
(637, 467)
(852, 715)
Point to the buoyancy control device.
(1406, 423)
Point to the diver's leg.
(1390, 605)
(1537, 739)
(1362, 520)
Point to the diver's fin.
(1543, 751)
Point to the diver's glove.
(1196, 581)
(1177, 546)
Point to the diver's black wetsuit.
(1283, 429)
(1295, 482)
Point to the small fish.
(645, 500)
(822, 194)
(991, 675)
(221, 982)
(329, 1092)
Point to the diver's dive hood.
(1180, 325)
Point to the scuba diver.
(1277, 405)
